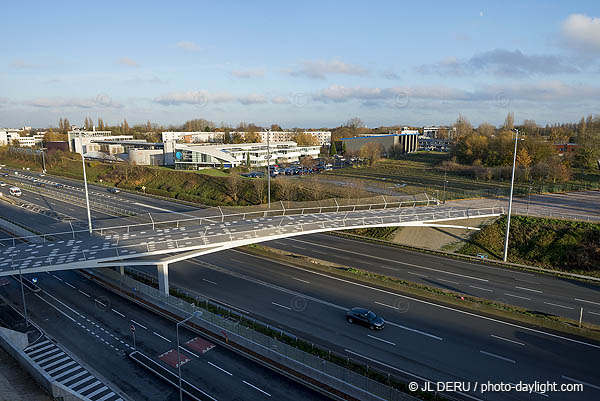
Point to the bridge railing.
(221, 214)
(138, 248)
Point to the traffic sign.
(132, 328)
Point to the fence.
(231, 327)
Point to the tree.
(462, 126)
(529, 127)
(259, 189)
(125, 127)
(524, 160)
(305, 139)
(344, 150)
(276, 127)
(233, 185)
(332, 149)
(471, 147)
(248, 159)
(100, 124)
(355, 123)
(307, 162)
(486, 129)
(558, 171)
(509, 121)
(371, 151)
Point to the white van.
(15, 191)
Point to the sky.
(299, 64)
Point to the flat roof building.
(405, 143)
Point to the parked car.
(114, 190)
(365, 317)
(254, 174)
(40, 184)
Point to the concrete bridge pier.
(163, 277)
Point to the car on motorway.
(2, 184)
(42, 175)
(15, 191)
(58, 185)
(366, 318)
(114, 190)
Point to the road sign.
(132, 328)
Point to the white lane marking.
(581, 382)
(595, 313)
(497, 356)
(299, 279)
(386, 305)
(589, 302)
(63, 304)
(164, 338)
(70, 285)
(403, 371)
(299, 247)
(86, 294)
(417, 274)
(281, 306)
(188, 351)
(58, 278)
(438, 306)
(381, 339)
(414, 330)
(101, 303)
(37, 295)
(139, 324)
(208, 281)
(517, 296)
(529, 289)
(481, 288)
(447, 281)
(395, 261)
(152, 207)
(526, 281)
(560, 306)
(118, 313)
(221, 369)
(256, 388)
(506, 339)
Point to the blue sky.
(308, 64)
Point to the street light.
(87, 197)
(23, 296)
(269, 167)
(195, 314)
(512, 183)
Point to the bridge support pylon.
(163, 278)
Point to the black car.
(365, 317)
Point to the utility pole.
(87, 196)
(23, 296)
(445, 181)
(269, 167)
(512, 183)
(43, 162)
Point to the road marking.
(414, 330)
(526, 281)
(139, 324)
(581, 382)
(506, 339)
(517, 296)
(103, 304)
(498, 356)
(58, 278)
(529, 289)
(37, 295)
(589, 302)
(281, 306)
(221, 369)
(188, 351)
(394, 261)
(118, 313)
(256, 388)
(447, 281)
(63, 304)
(164, 338)
(299, 279)
(386, 305)
(417, 274)
(560, 306)
(595, 313)
(86, 294)
(481, 288)
(70, 285)
(208, 281)
(381, 339)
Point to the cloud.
(280, 100)
(320, 69)
(248, 73)
(252, 99)
(582, 31)
(100, 101)
(504, 63)
(188, 45)
(21, 64)
(126, 61)
(203, 97)
(391, 75)
(3, 100)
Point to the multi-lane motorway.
(421, 338)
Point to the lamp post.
(269, 167)
(87, 196)
(23, 296)
(512, 183)
(195, 314)
(445, 182)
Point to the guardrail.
(173, 245)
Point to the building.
(322, 137)
(434, 144)
(79, 139)
(434, 132)
(7, 135)
(404, 131)
(405, 142)
(565, 148)
(193, 137)
(197, 156)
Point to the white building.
(8, 134)
(405, 131)
(322, 137)
(79, 140)
(193, 137)
(192, 157)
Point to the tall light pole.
(23, 296)
(269, 167)
(512, 183)
(196, 313)
(87, 196)
(43, 162)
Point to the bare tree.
(259, 189)
(233, 185)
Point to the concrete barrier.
(18, 231)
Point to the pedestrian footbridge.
(163, 238)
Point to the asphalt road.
(95, 325)
(422, 338)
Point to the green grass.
(213, 172)
(570, 246)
